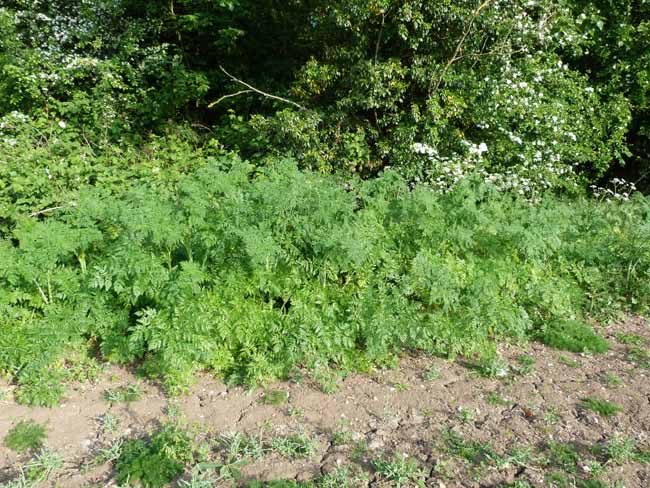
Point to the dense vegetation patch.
(417, 179)
(265, 189)
(251, 273)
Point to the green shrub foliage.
(555, 90)
(44, 163)
(251, 271)
(451, 74)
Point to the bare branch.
(241, 92)
(455, 57)
(251, 88)
(201, 126)
(381, 31)
(490, 53)
(43, 296)
(46, 210)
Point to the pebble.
(376, 444)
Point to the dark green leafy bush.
(615, 53)
(99, 66)
(249, 272)
(454, 76)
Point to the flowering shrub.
(91, 63)
(556, 89)
(614, 50)
(452, 75)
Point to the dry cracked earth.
(527, 425)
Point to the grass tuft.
(604, 408)
(123, 394)
(400, 471)
(293, 446)
(274, 397)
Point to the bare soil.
(402, 410)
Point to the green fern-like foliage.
(157, 461)
(248, 272)
(25, 436)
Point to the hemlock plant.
(247, 273)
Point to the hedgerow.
(556, 90)
(250, 272)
